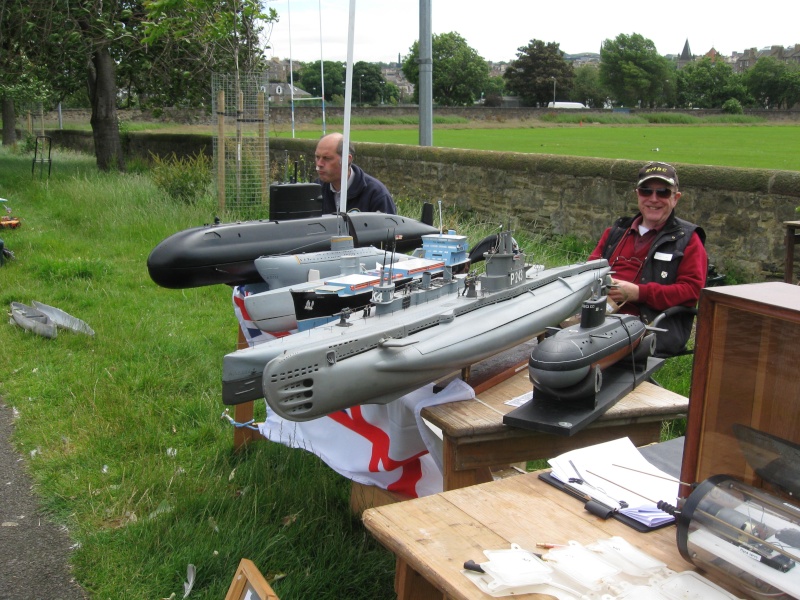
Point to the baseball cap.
(658, 170)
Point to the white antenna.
(441, 219)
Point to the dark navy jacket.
(364, 194)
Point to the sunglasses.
(645, 192)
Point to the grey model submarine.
(224, 253)
(408, 339)
(569, 364)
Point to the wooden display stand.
(745, 374)
(249, 584)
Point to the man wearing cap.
(657, 260)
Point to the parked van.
(566, 105)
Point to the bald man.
(364, 192)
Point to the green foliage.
(460, 74)
(773, 83)
(732, 107)
(586, 87)
(633, 71)
(539, 72)
(708, 84)
(311, 79)
(185, 179)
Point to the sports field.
(754, 146)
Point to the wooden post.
(262, 144)
(221, 149)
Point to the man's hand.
(623, 291)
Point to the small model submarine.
(224, 253)
(581, 371)
(568, 365)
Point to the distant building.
(281, 93)
(394, 74)
(685, 57)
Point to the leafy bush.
(185, 179)
(732, 107)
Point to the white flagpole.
(348, 101)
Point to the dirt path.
(34, 552)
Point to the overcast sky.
(386, 28)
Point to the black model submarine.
(224, 253)
(569, 365)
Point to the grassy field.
(752, 146)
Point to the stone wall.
(742, 210)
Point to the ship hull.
(569, 364)
(379, 358)
(225, 253)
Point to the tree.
(459, 72)
(709, 84)
(773, 83)
(195, 38)
(367, 80)
(586, 87)
(633, 71)
(537, 68)
(311, 79)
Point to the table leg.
(243, 412)
(410, 585)
(455, 479)
(788, 270)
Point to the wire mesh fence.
(240, 106)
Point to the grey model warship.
(342, 278)
(405, 340)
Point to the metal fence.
(240, 109)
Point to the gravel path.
(34, 552)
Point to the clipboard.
(597, 508)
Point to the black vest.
(672, 239)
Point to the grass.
(753, 146)
(121, 432)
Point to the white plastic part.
(515, 567)
(626, 557)
(581, 565)
(688, 585)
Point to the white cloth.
(388, 446)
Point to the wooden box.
(746, 376)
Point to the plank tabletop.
(436, 534)
(484, 414)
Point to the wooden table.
(476, 439)
(432, 537)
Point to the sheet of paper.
(616, 474)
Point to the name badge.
(662, 256)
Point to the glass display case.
(744, 407)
